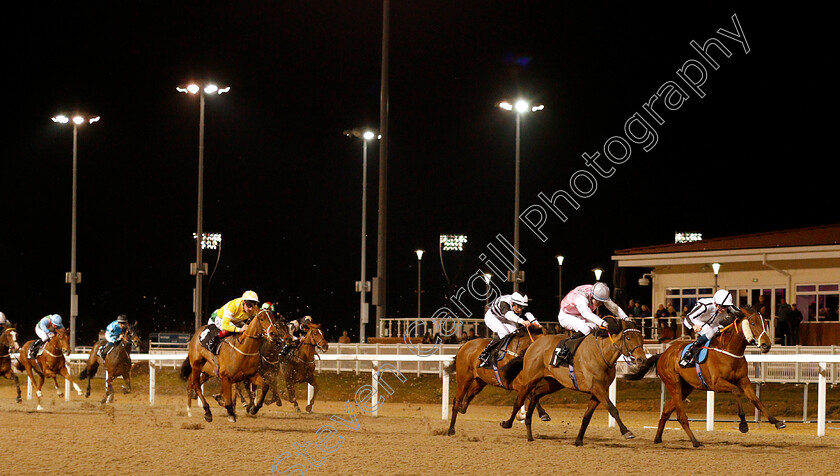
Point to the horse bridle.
(629, 354)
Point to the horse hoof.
(450, 432)
(578, 443)
(697, 444)
(657, 440)
(39, 408)
(231, 418)
(629, 435)
(253, 410)
(87, 394)
(506, 424)
(297, 410)
(309, 409)
(18, 400)
(743, 427)
(59, 395)
(780, 424)
(208, 418)
(545, 417)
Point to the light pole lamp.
(74, 277)
(597, 272)
(419, 289)
(199, 268)
(716, 270)
(559, 279)
(520, 107)
(363, 285)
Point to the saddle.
(209, 338)
(495, 350)
(36, 349)
(688, 351)
(105, 349)
(564, 353)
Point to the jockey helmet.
(519, 299)
(268, 305)
(723, 298)
(601, 292)
(307, 319)
(2, 318)
(55, 319)
(122, 318)
(250, 296)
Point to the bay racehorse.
(117, 362)
(299, 366)
(471, 379)
(9, 343)
(239, 361)
(592, 371)
(724, 370)
(48, 364)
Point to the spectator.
(666, 333)
(763, 306)
(661, 312)
(783, 324)
(630, 307)
(795, 319)
(344, 339)
(471, 335)
(427, 338)
(463, 338)
(685, 310)
(637, 309)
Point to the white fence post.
(444, 404)
(821, 401)
(374, 382)
(612, 397)
(152, 372)
(67, 388)
(710, 411)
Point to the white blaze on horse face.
(748, 335)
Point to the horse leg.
(290, 387)
(17, 386)
(195, 379)
(726, 386)
(259, 381)
(681, 394)
(127, 377)
(533, 401)
(227, 395)
(746, 387)
(587, 415)
(66, 374)
(663, 419)
(314, 393)
(58, 391)
(600, 392)
(520, 399)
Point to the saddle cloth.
(568, 343)
(701, 357)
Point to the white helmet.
(2, 318)
(55, 319)
(601, 292)
(723, 298)
(519, 299)
(250, 296)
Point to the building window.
(818, 302)
(683, 299)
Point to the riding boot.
(692, 354)
(33, 349)
(485, 358)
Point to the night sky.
(283, 185)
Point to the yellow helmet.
(250, 296)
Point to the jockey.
(3, 322)
(232, 317)
(299, 327)
(577, 308)
(502, 317)
(706, 318)
(45, 329)
(577, 313)
(113, 333)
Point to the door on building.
(767, 301)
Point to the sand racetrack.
(130, 437)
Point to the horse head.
(627, 337)
(9, 338)
(315, 337)
(268, 327)
(133, 335)
(754, 327)
(61, 341)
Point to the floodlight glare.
(368, 135)
(453, 242)
(506, 106)
(61, 119)
(210, 89)
(521, 106)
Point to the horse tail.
(641, 372)
(186, 369)
(450, 369)
(512, 368)
(90, 370)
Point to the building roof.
(811, 236)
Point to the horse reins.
(628, 355)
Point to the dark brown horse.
(592, 371)
(299, 366)
(9, 343)
(725, 370)
(117, 362)
(471, 379)
(239, 361)
(49, 364)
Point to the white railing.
(376, 360)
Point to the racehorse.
(117, 362)
(299, 366)
(8, 342)
(471, 378)
(239, 361)
(592, 371)
(725, 370)
(47, 365)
